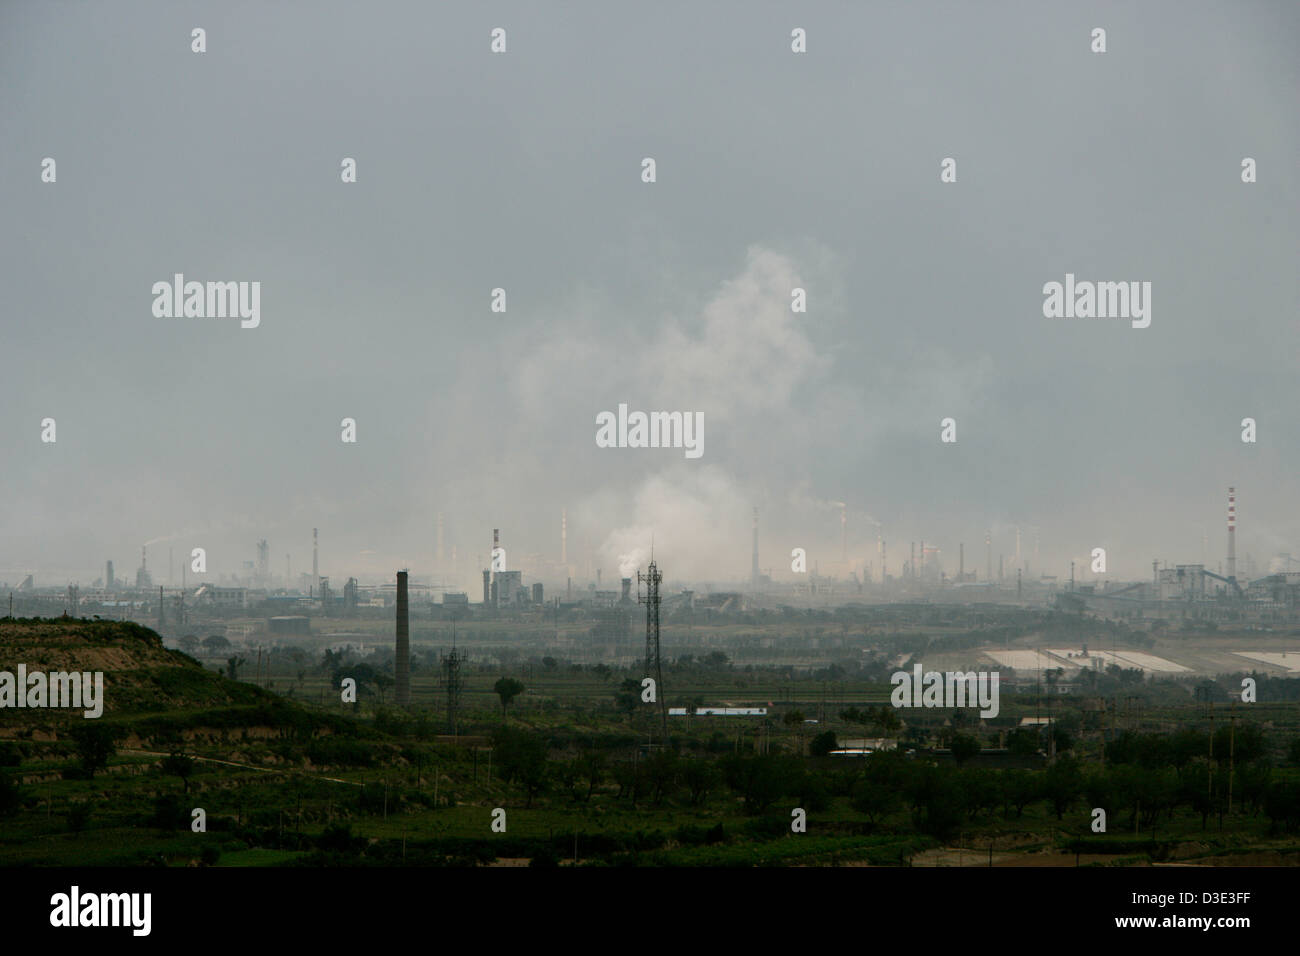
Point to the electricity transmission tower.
(451, 680)
(653, 659)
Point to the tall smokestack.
(753, 572)
(402, 662)
(487, 587)
(627, 590)
(439, 555)
(911, 564)
(988, 557)
(492, 565)
(884, 568)
(564, 537)
(315, 563)
(1232, 534)
(922, 558)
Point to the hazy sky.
(523, 171)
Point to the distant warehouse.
(290, 624)
(720, 712)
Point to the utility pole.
(1232, 751)
(1210, 768)
(1101, 751)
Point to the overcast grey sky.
(522, 171)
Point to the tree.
(11, 797)
(179, 765)
(10, 755)
(189, 644)
(522, 758)
(700, 777)
(823, 744)
(233, 664)
(364, 674)
(1062, 784)
(794, 720)
(759, 780)
(95, 743)
(1254, 780)
(78, 815)
(592, 768)
(886, 718)
(1021, 788)
(216, 644)
(1282, 805)
(1245, 744)
(507, 689)
(964, 746)
(937, 802)
(983, 790)
(628, 695)
(168, 814)
(662, 774)
(876, 793)
(1022, 742)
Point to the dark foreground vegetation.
(570, 762)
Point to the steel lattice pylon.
(452, 683)
(653, 657)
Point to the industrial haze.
(522, 172)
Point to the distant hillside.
(142, 679)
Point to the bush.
(11, 754)
(168, 814)
(823, 744)
(11, 797)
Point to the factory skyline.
(515, 578)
